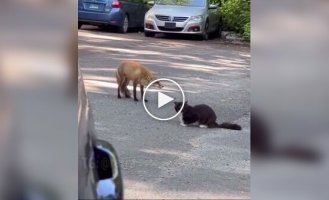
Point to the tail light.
(116, 4)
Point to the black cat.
(203, 115)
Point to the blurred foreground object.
(290, 121)
(38, 126)
(99, 170)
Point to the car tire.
(216, 34)
(205, 34)
(124, 28)
(79, 25)
(149, 34)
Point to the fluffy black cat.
(203, 115)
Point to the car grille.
(162, 28)
(168, 18)
(180, 19)
(162, 17)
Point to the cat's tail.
(226, 125)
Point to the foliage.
(235, 15)
(246, 31)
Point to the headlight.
(198, 18)
(149, 16)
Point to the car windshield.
(193, 3)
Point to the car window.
(193, 3)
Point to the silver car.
(196, 17)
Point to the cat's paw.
(203, 126)
(182, 124)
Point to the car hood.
(177, 10)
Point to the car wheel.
(125, 26)
(149, 34)
(205, 34)
(216, 34)
(79, 25)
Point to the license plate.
(170, 25)
(93, 6)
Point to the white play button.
(157, 99)
(163, 99)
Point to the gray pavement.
(163, 160)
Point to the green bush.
(236, 16)
(246, 31)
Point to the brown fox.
(134, 71)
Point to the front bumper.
(186, 27)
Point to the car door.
(99, 169)
(85, 179)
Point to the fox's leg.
(127, 93)
(119, 96)
(125, 88)
(122, 85)
(119, 89)
(135, 85)
(142, 92)
(119, 85)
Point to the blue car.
(122, 14)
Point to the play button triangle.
(163, 99)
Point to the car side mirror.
(213, 6)
(150, 3)
(109, 183)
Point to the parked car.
(99, 170)
(197, 17)
(122, 14)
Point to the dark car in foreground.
(99, 171)
(121, 14)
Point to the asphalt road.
(161, 159)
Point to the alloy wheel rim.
(125, 24)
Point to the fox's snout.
(159, 85)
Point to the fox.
(138, 73)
